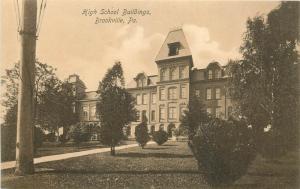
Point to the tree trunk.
(112, 151)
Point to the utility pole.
(24, 145)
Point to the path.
(12, 164)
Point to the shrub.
(8, 142)
(80, 133)
(38, 138)
(272, 145)
(160, 137)
(50, 137)
(63, 138)
(223, 149)
(141, 134)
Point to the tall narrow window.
(153, 115)
(144, 115)
(172, 111)
(183, 91)
(153, 98)
(218, 93)
(93, 111)
(144, 98)
(172, 73)
(85, 110)
(138, 99)
(162, 94)
(219, 74)
(161, 113)
(208, 94)
(163, 74)
(172, 93)
(182, 71)
(210, 74)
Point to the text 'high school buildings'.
(162, 98)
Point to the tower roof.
(175, 37)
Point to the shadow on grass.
(154, 148)
(157, 155)
(169, 145)
(84, 171)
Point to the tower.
(174, 62)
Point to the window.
(161, 113)
(172, 93)
(138, 99)
(218, 112)
(219, 74)
(140, 83)
(208, 110)
(172, 111)
(74, 107)
(144, 115)
(182, 72)
(173, 49)
(197, 93)
(172, 73)
(218, 93)
(153, 115)
(144, 98)
(210, 74)
(208, 94)
(183, 91)
(93, 111)
(153, 98)
(162, 94)
(138, 115)
(85, 110)
(163, 74)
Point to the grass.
(168, 166)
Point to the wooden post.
(24, 145)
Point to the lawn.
(168, 166)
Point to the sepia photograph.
(150, 94)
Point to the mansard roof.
(90, 95)
(174, 36)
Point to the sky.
(73, 43)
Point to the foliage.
(141, 133)
(223, 149)
(52, 97)
(116, 107)
(80, 133)
(8, 135)
(193, 117)
(181, 131)
(268, 70)
(50, 137)
(160, 137)
(38, 138)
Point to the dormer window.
(219, 74)
(174, 48)
(210, 74)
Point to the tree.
(268, 70)
(116, 107)
(160, 136)
(193, 117)
(141, 133)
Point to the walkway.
(12, 164)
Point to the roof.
(152, 80)
(174, 36)
(90, 95)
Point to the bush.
(38, 138)
(160, 137)
(63, 138)
(50, 137)
(272, 145)
(141, 134)
(8, 142)
(80, 133)
(224, 150)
